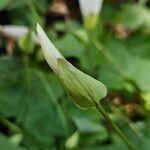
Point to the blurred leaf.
(139, 45)
(39, 55)
(129, 131)
(60, 26)
(139, 71)
(90, 132)
(26, 43)
(13, 4)
(7, 144)
(81, 35)
(55, 85)
(118, 146)
(69, 46)
(132, 66)
(146, 98)
(112, 80)
(86, 126)
(91, 57)
(11, 89)
(16, 100)
(135, 16)
(45, 123)
(72, 141)
(146, 142)
(4, 4)
(35, 15)
(17, 17)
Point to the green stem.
(114, 126)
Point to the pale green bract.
(82, 88)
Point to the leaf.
(73, 141)
(107, 147)
(11, 89)
(69, 46)
(81, 35)
(55, 85)
(26, 43)
(31, 106)
(139, 45)
(39, 115)
(82, 88)
(13, 4)
(138, 70)
(7, 144)
(133, 67)
(60, 26)
(111, 79)
(146, 98)
(85, 126)
(3, 4)
(135, 16)
(118, 146)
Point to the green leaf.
(85, 126)
(133, 67)
(81, 35)
(111, 79)
(82, 88)
(39, 115)
(55, 85)
(60, 26)
(7, 144)
(3, 4)
(32, 106)
(11, 89)
(146, 98)
(118, 146)
(138, 70)
(69, 46)
(135, 16)
(73, 141)
(13, 4)
(26, 43)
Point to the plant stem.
(114, 126)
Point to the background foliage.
(35, 111)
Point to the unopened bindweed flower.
(90, 10)
(82, 88)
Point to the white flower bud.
(90, 10)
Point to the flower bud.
(90, 10)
